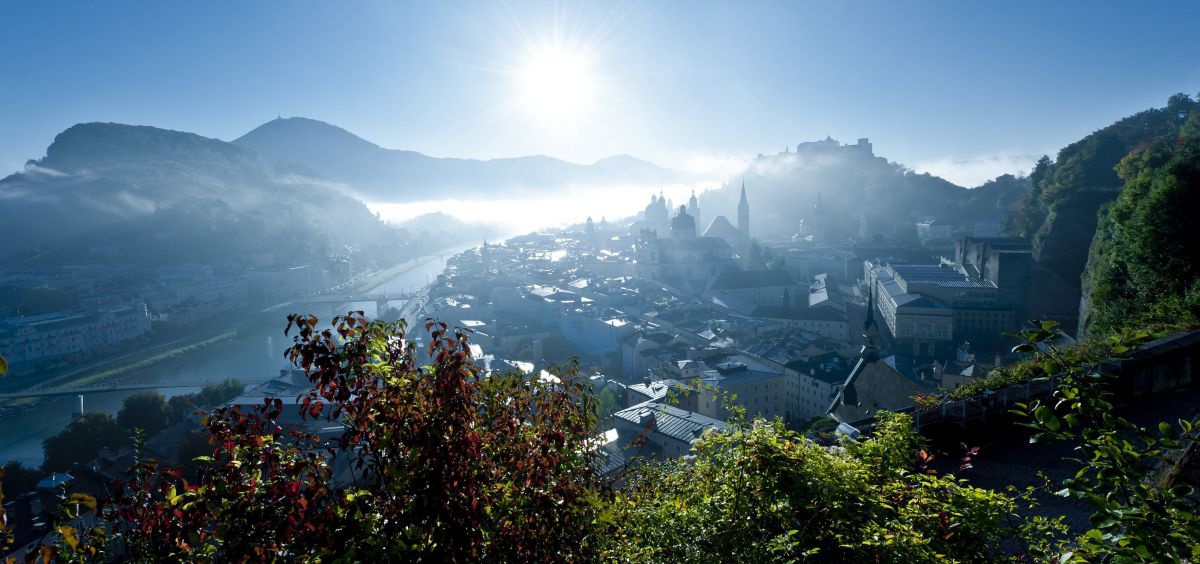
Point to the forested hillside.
(1061, 209)
(1142, 267)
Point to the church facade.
(682, 259)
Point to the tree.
(1142, 268)
(217, 393)
(182, 406)
(82, 440)
(146, 410)
(606, 403)
(18, 479)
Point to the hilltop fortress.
(828, 146)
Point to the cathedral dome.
(683, 220)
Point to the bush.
(444, 463)
(763, 493)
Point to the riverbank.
(112, 369)
(251, 351)
(382, 277)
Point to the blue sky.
(966, 89)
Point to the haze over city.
(599, 281)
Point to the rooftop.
(669, 420)
(742, 279)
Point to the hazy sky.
(965, 89)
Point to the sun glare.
(557, 85)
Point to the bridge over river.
(381, 300)
(101, 388)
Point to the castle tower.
(744, 213)
(693, 207)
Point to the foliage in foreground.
(1128, 472)
(763, 493)
(434, 462)
(444, 463)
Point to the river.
(254, 356)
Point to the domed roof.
(683, 220)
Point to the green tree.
(217, 393)
(606, 403)
(18, 479)
(82, 440)
(146, 410)
(182, 406)
(1142, 268)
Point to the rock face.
(380, 174)
(170, 196)
(1062, 246)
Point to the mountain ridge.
(397, 175)
(130, 186)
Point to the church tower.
(693, 207)
(744, 214)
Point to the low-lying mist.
(521, 214)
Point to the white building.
(30, 340)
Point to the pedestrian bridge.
(101, 388)
(381, 300)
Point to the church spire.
(744, 213)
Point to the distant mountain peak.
(381, 174)
(303, 130)
(100, 143)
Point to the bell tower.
(744, 213)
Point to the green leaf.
(1046, 417)
(3, 366)
(1164, 429)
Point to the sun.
(556, 84)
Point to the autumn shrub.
(439, 462)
